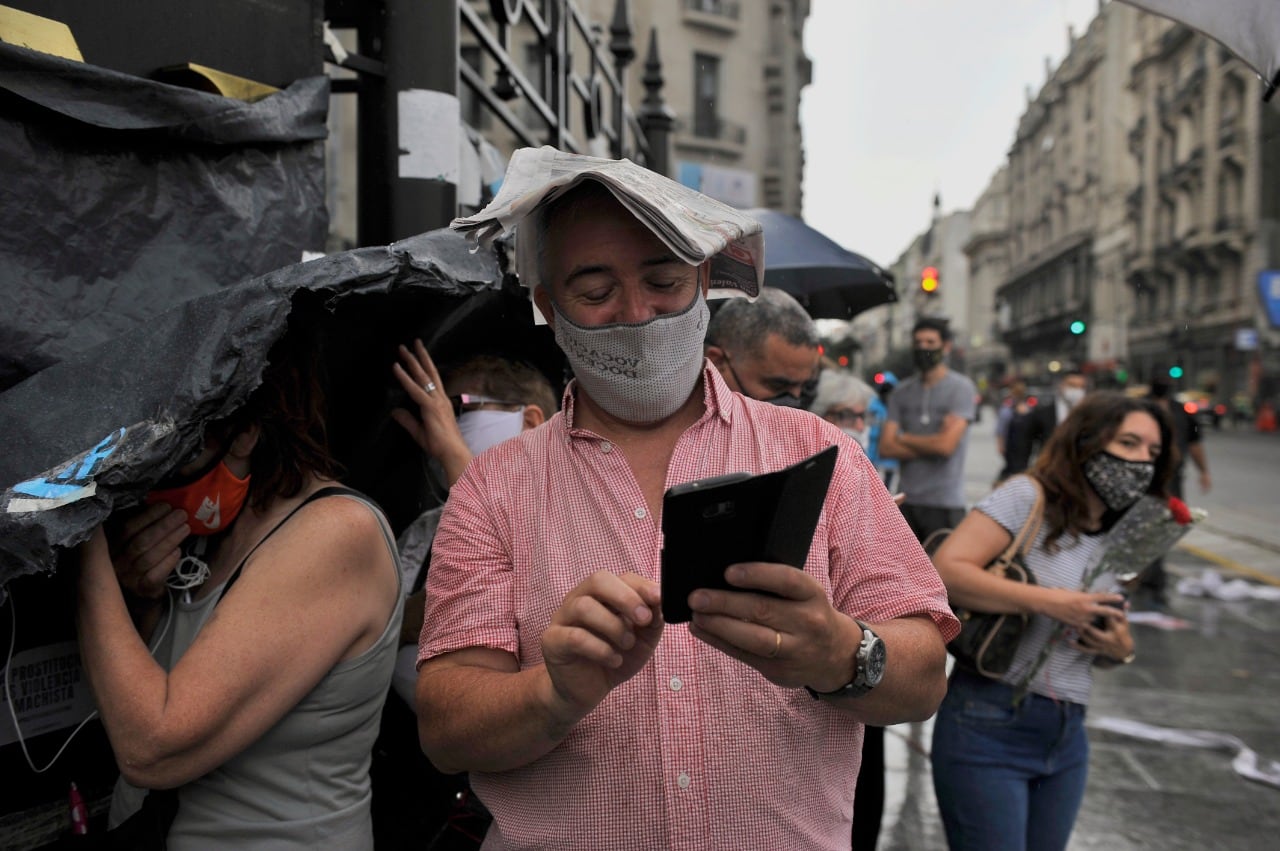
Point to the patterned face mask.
(1117, 481)
(639, 373)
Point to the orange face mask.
(211, 502)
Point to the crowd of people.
(519, 627)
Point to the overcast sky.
(910, 97)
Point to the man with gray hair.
(766, 349)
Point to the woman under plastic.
(256, 694)
(1010, 756)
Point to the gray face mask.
(1118, 482)
(639, 373)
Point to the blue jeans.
(1007, 778)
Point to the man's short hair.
(742, 326)
(1071, 372)
(499, 378)
(933, 323)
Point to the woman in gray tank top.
(255, 690)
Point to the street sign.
(1269, 293)
(1246, 339)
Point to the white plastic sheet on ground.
(1245, 762)
(1211, 584)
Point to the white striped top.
(1067, 674)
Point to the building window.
(706, 95)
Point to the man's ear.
(542, 298)
(718, 357)
(533, 417)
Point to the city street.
(1220, 673)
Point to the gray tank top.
(305, 783)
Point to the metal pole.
(419, 44)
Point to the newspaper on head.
(694, 226)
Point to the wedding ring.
(429, 386)
(777, 644)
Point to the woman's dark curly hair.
(290, 411)
(1085, 432)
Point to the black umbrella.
(830, 281)
(97, 430)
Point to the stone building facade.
(1204, 221)
(734, 72)
(1062, 301)
(1138, 218)
(988, 259)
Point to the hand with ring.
(434, 428)
(792, 634)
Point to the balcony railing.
(713, 128)
(730, 9)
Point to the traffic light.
(1175, 371)
(1078, 327)
(879, 378)
(929, 280)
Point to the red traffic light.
(879, 378)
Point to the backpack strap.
(331, 490)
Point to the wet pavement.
(1219, 673)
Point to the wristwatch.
(868, 667)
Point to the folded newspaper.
(694, 226)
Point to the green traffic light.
(1175, 372)
(1077, 327)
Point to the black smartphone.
(709, 524)
(1099, 622)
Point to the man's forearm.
(915, 679)
(893, 447)
(473, 718)
(927, 444)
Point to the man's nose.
(634, 306)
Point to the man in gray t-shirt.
(927, 429)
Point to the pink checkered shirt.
(697, 751)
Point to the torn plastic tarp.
(97, 430)
(122, 196)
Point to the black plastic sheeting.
(122, 197)
(101, 427)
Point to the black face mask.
(808, 392)
(926, 359)
(804, 401)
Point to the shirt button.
(676, 684)
(606, 447)
(641, 513)
(683, 781)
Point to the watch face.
(873, 657)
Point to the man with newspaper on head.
(545, 667)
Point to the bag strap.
(1026, 537)
(332, 490)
